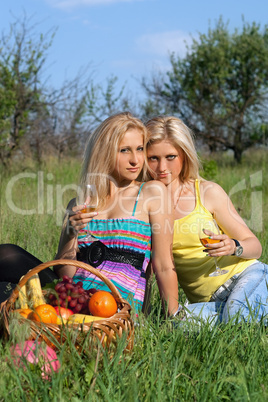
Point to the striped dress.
(127, 235)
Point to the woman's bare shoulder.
(154, 195)
(212, 195)
(210, 188)
(154, 187)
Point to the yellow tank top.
(192, 265)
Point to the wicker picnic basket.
(106, 332)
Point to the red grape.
(61, 289)
(91, 291)
(75, 295)
(81, 299)
(73, 303)
(63, 295)
(78, 308)
(71, 295)
(57, 286)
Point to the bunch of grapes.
(70, 295)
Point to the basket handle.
(14, 295)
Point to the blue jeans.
(248, 300)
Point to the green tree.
(7, 104)
(38, 120)
(220, 87)
(22, 97)
(104, 101)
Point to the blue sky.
(125, 38)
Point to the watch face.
(238, 251)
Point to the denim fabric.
(248, 300)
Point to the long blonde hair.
(172, 129)
(101, 149)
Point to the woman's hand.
(79, 218)
(224, 245)
(215, 199)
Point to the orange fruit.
(44, 313)
(102, 304)
(25, 312)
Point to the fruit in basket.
(31, 294)
(70, 295)
(23, 297)
(91, 291)
(44, 313)
(34, 291)
(25, 312)
(102, 304)
(83, 318)
(63, 312)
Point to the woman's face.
(130, 157)
(165, 161)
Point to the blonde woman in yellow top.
(242, 289)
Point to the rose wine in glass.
(90, 201)
(213, 227)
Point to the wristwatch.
(238, 248)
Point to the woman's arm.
(216, 200)
(74, 221)
(67, 248)
(161, 220)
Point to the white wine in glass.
(213, 227)
(90, 201)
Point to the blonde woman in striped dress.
(132, 223)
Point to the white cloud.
(163, 43)
(70, 4)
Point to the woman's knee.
(15, 262)
(8, 249)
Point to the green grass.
(226, 363)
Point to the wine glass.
(89, 197)
(213, 227)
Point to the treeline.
(219, 89)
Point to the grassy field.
(226, 363)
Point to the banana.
(83, 318)
(61, 320)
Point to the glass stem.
(216, 263)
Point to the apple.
(63, 312)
